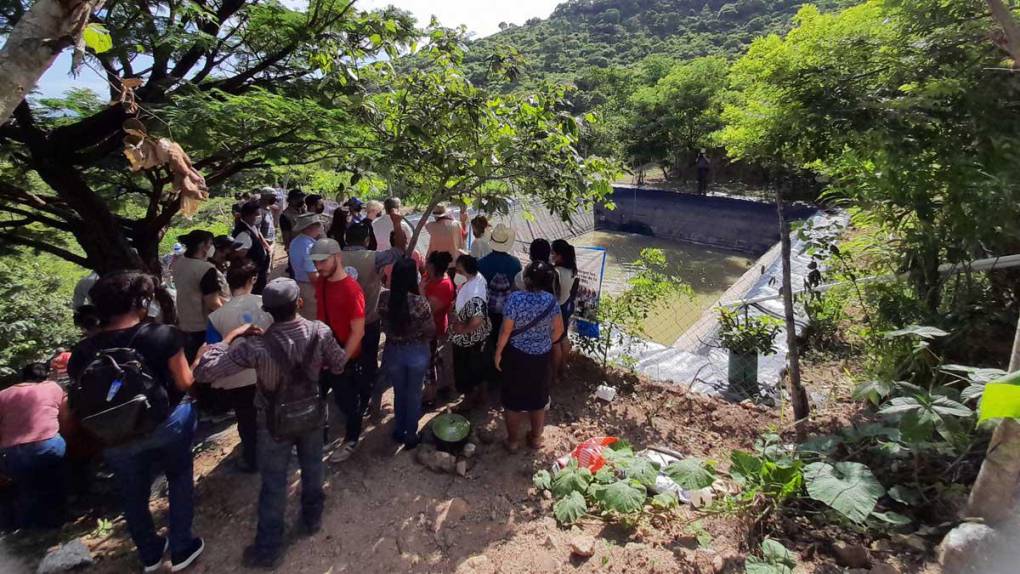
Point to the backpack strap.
(280, 357)
(538, 318)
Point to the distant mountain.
(599, 33)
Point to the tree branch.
(1010, 29)
(9, 237)
(36, 218)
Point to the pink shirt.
(28, 413)
(446, 235)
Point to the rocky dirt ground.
(387, 513)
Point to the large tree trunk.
(40, 35)
(798, 395)
(1010, 28)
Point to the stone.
(851, 555)
(964, 546)
(718, 563)
(912, 541)
(462, 467)
(582, 545)
(65, 557)
(550, 542)
(424, 454)
(469, 450)
(882, 545)
(476, 565)
(445, 462)
(702, 497)
(883, 569)
(451, 511)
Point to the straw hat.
(502, 238)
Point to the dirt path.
(386, 513)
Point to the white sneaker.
(344, 452)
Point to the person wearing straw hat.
(499, 269)
(445, 233)
(307, 229)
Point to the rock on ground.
(582, 545)
(964, 545)
(851, 555)
(66, 557)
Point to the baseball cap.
(324, 249)
(279, 292)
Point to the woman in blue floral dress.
(531, 322)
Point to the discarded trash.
(588, 454)
(606, 393)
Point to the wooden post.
(798, 396)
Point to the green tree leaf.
(97, 38)
(848, 487)
(542, 480)
(570, 508)
(570, 479)
(665, 501)
(691, 473)
(623, 496)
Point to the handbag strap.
(538, 318)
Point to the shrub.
(33, 322)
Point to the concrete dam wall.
(730, 223)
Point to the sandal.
(511, 447)
(533, 443)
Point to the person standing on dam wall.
(704, 167)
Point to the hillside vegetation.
(601, 33)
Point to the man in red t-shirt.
(342, 307)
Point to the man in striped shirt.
(291, 332)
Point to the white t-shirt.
(383, 226)
(480, 247)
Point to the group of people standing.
(473, 319)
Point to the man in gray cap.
(307, 228)
(301, 342)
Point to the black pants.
(369, 360)
(351, 391)
(242, 401)
(470, 365)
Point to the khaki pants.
(308, 311)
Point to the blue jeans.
(273, 459)
(404, 366)
(38, 472)
(132, 465)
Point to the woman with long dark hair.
(531, 322)
(565, 259)
(408, 324)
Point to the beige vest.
(191, 312)
(363, 261)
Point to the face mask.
(459, 280)
(212, 251)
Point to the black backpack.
(296, 407)
(117, 398)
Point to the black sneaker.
(158, 564)
(309, 527)
(178, 563)
(255, 558)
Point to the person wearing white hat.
(445, 233)
(499, 269)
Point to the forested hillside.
(584, 33)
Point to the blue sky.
(480, 16)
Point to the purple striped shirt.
(294, 336)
